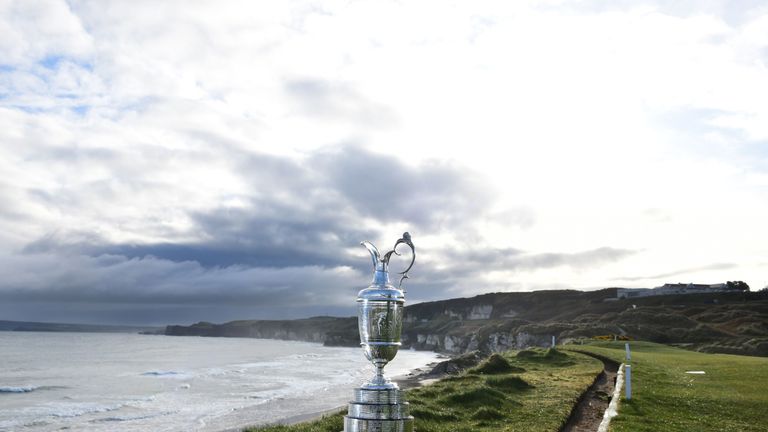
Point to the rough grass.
(332, 423)
(495, 364)
(532, 392)
(510, 383)
(731, 396)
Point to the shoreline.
(416, 377)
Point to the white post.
(628, 379)
(553, 341)
(629, 354)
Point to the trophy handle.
(406, 239)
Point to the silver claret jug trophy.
(379, 405)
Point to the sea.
(132, 382)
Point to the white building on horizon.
(670, 289)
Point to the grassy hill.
(731, 396)
(538, 389)
(717, 322)
(533, 391)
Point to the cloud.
(721, 8)
(253, 141)
(153, 290)
(709, 267)
(299, 212)
(286, 243)
(325, 100)
(474, 261)
(41, 29)
(116, 279)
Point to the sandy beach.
(415, 378)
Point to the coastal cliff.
(331, 331)
(716, 322)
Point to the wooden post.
(628, 381)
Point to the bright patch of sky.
(223, 160)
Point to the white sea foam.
(18, 389)
(68, 409)
(133, 383)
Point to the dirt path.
(588, 413)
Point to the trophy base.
(378, 410)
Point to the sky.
(174, 162)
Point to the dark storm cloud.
(113, 279)
(715, 266)
(304, 213)
(288, 246)
(430, 196)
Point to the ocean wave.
(165, 374)
(132, 418)
(306, 356)
(77, 410)
(19, 389)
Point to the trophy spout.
(378, 264)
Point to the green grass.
(496, 364)
(732, 396)
(532, 391)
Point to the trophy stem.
(379, 381)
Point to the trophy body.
(379, 405)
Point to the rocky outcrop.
(499, 342)
(489, 343)
(480, 312)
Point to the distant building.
(670, 289)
